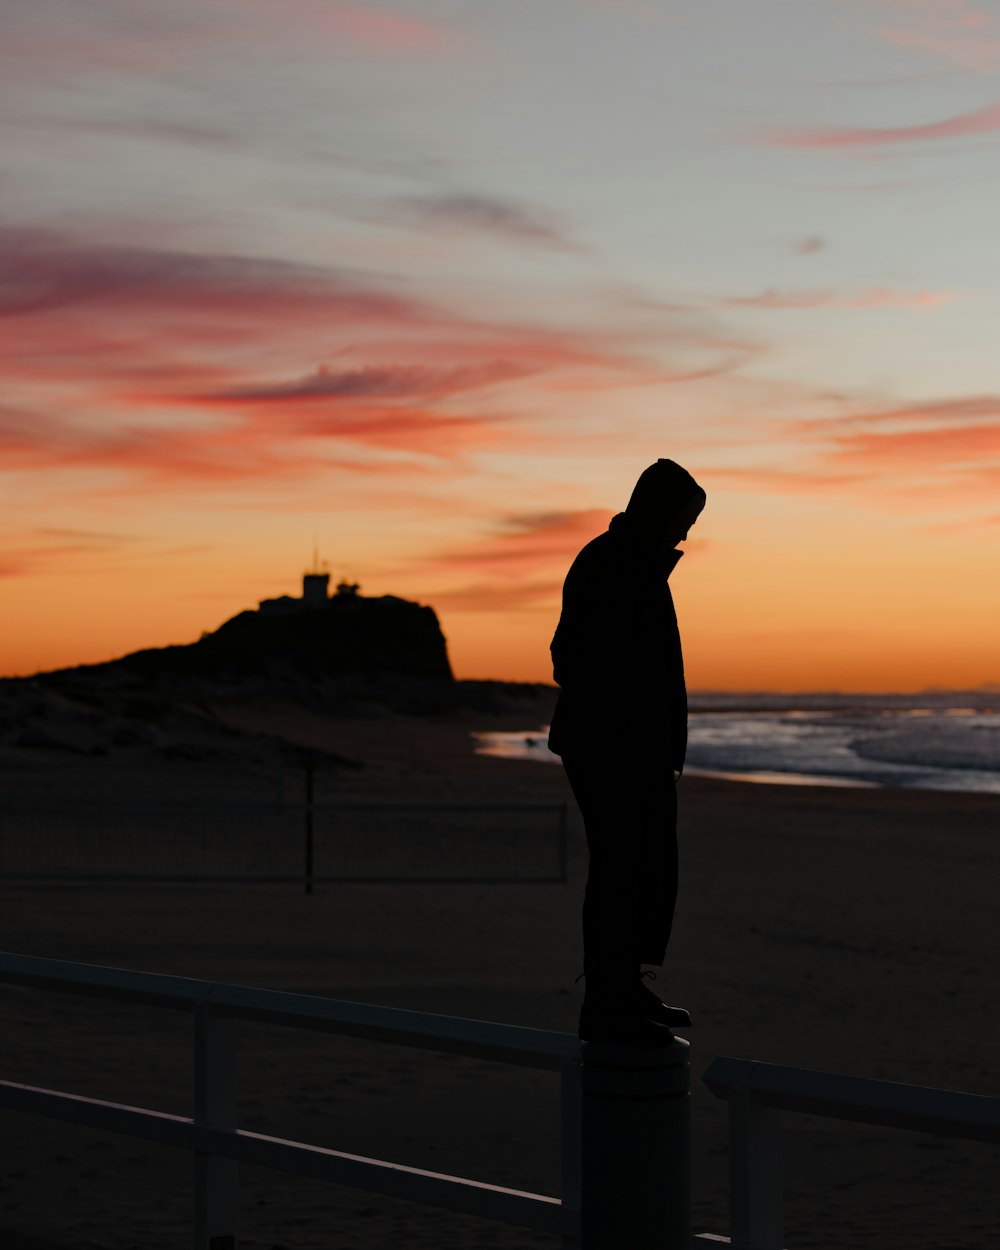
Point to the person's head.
(677, 527)
(666, 502)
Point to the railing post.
(215, 1179)
(307, 871)
(563, 844)
(755, 1173)
(635, 1147)
(569, 1094)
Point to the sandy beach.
(853, 931)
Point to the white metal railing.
(219, 1145)
(758, 1094)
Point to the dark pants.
(629, 810)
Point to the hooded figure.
(620, 725)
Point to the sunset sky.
(429, 282)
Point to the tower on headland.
(315, 590)
(332, 634)
(315, 584)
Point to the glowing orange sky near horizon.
(441, 340)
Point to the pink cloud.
(875, 297)
(980, 121)
(950, 29)
(248, 450)
(160, 38)
(385, 31)
(123, 333)
(380, 382)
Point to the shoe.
(654, 1008)
(623, 1025)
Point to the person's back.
(616, 653)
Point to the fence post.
(569, 1095)
(563, 844)
(215, 1179)
(309, 831)
(755, 1173)
(635, 1147)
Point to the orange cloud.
(948, 447)
(964, 407)
(767, 479)
(529, 542)
(980, 121)
(489, 597)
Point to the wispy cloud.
(519, 564)
(946, 448)
(960, 408)
(383, 382)
(522, 542)
(980, 121)
(803, 479)
(874, 297)
(382, 30)
(168, 366)
(952, 30)
(109, 38)
(486, 215)
(493, 597)
(810, 245)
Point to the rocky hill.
(346, 655)
(347, 634)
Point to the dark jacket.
(616, 653)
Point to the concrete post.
(215, 1178)
(635, 1147)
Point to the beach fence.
(308, 843)
(624, 1113)
(758, 1095)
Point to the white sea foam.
(943, 740)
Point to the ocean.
(937, 740)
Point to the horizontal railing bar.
(114, 1117)
(506, 1043)
(289, 805)
(98, 981)
(262, 879)
(513, 1206)
(889, 1104)
(503, 1043)
(537, 1211)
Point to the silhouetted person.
(620, 725)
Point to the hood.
(662, 491)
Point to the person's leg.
(612, 820)
(658, 875)
(616, 814)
